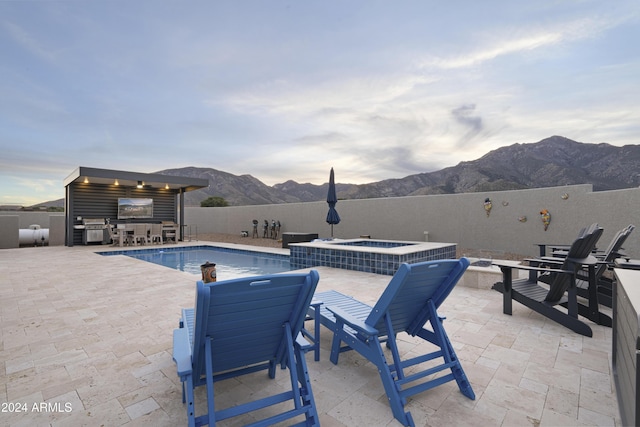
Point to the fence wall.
(454, 218)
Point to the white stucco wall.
(455, 218)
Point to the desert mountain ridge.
(551, 162)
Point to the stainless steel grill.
(94, 229)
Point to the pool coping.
(407, 247)
(237, 246)
(177, 248)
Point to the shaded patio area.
(91, 336)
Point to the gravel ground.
(271, 243)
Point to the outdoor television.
(135, 208)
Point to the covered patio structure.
(95, 193)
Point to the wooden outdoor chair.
(155, 236)
(560, 291)
(140, 234)
(603, 284)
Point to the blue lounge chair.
(242, 326)
(407, 304)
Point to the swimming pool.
(230, 263)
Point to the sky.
(288, 89)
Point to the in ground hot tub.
(368, 255)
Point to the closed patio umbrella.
(332, 199)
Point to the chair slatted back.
(580, 249)
(611, 252)
(245, 318)
(412, 286)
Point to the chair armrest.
(353, 322)
(622, 254)
(590, 260)
(504, 265)
(545, 260)
(182, 351)
(301, 341)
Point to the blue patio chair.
(407, 304)
(242, 326)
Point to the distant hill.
(236, 190)
(551, 162)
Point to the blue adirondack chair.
(242, 326)
(407, 304)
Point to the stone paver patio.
(87, 340)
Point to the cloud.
(29, 42)
(325, 138)
(378, 91)
(464, 116)
(510, 40)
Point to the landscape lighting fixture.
(139, 184)
(116, 182)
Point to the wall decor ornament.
(523, 218)
(487, 206)
(565, 196)
(545, 216)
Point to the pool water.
(230, 263)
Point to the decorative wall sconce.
(140, 184)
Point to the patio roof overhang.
(133, 179)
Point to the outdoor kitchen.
(97, 199)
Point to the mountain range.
(551, 162)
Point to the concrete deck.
(91, 338)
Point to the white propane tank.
(34, 235)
